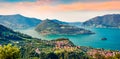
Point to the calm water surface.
(94, 40)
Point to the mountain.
(77, 24)
(52, 27)
(59, 22)
(109, 20)
(18, 21)
(6, 35)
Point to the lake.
(93, 40)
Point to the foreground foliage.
(9, 52)
(53, 49)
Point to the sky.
(64, 10)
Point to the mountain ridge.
(51, 27)
(7, 35)
(105, 21)
(18, 21)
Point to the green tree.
(9, 52)
(117, 56)
(43, 55)
(110, 57)
(52, 56)
(99, 56)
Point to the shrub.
(9, 52)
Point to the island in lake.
(51, 27)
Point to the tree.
(117, 56)
(99, 56)
(52, 56)
(9, 52)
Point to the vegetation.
(33, 48)
(106, 21)
(55, 49)
(18, 21)
(53, 27)
(9, 52)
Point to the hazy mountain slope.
(59, 22)
(110, 20)
(77, 24)
(18, 21)
(51, 27)
(7, 35)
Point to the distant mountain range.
(18, 21)
(106, 21)
(77, 24)
(59, 22)
(53, 27)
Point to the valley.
(56, 39)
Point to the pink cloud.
(90, 6)
(45, 5)
(44, 1)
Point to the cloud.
(73, 1)
(101, 6)
(45, 5)
(17, 0)
(77, 6)
(64, 11)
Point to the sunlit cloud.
(17, 1)
(56, 8)
(42, 6)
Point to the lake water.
(93, 40)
